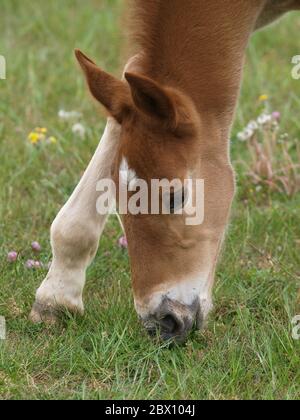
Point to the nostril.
(170, 324)
(172, 320)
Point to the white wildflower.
(264, 119)
(241, 136)
(252, 125)
(79, 130)
(246, 134)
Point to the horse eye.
(177, 200)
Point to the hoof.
(50, 314)
(42, 313)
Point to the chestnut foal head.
(172, 261)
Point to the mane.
(181, 46)
(144, 22)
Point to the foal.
(171, 118)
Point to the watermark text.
(296, 68)
(296, 327)
(2, 67)
(2, 328)
(158, 197)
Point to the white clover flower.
(62, 114)
(252, 125)
(264, 119)
(241, 136)
(246, 134)
(79, 130)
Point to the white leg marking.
(76, 231)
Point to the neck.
(197, 46)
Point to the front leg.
(75, 235)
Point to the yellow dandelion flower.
(263, 98)
(44, 130)
(34, 138)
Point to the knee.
(73, 238)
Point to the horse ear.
(152, 98)
(109, 91)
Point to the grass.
(247, 351)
